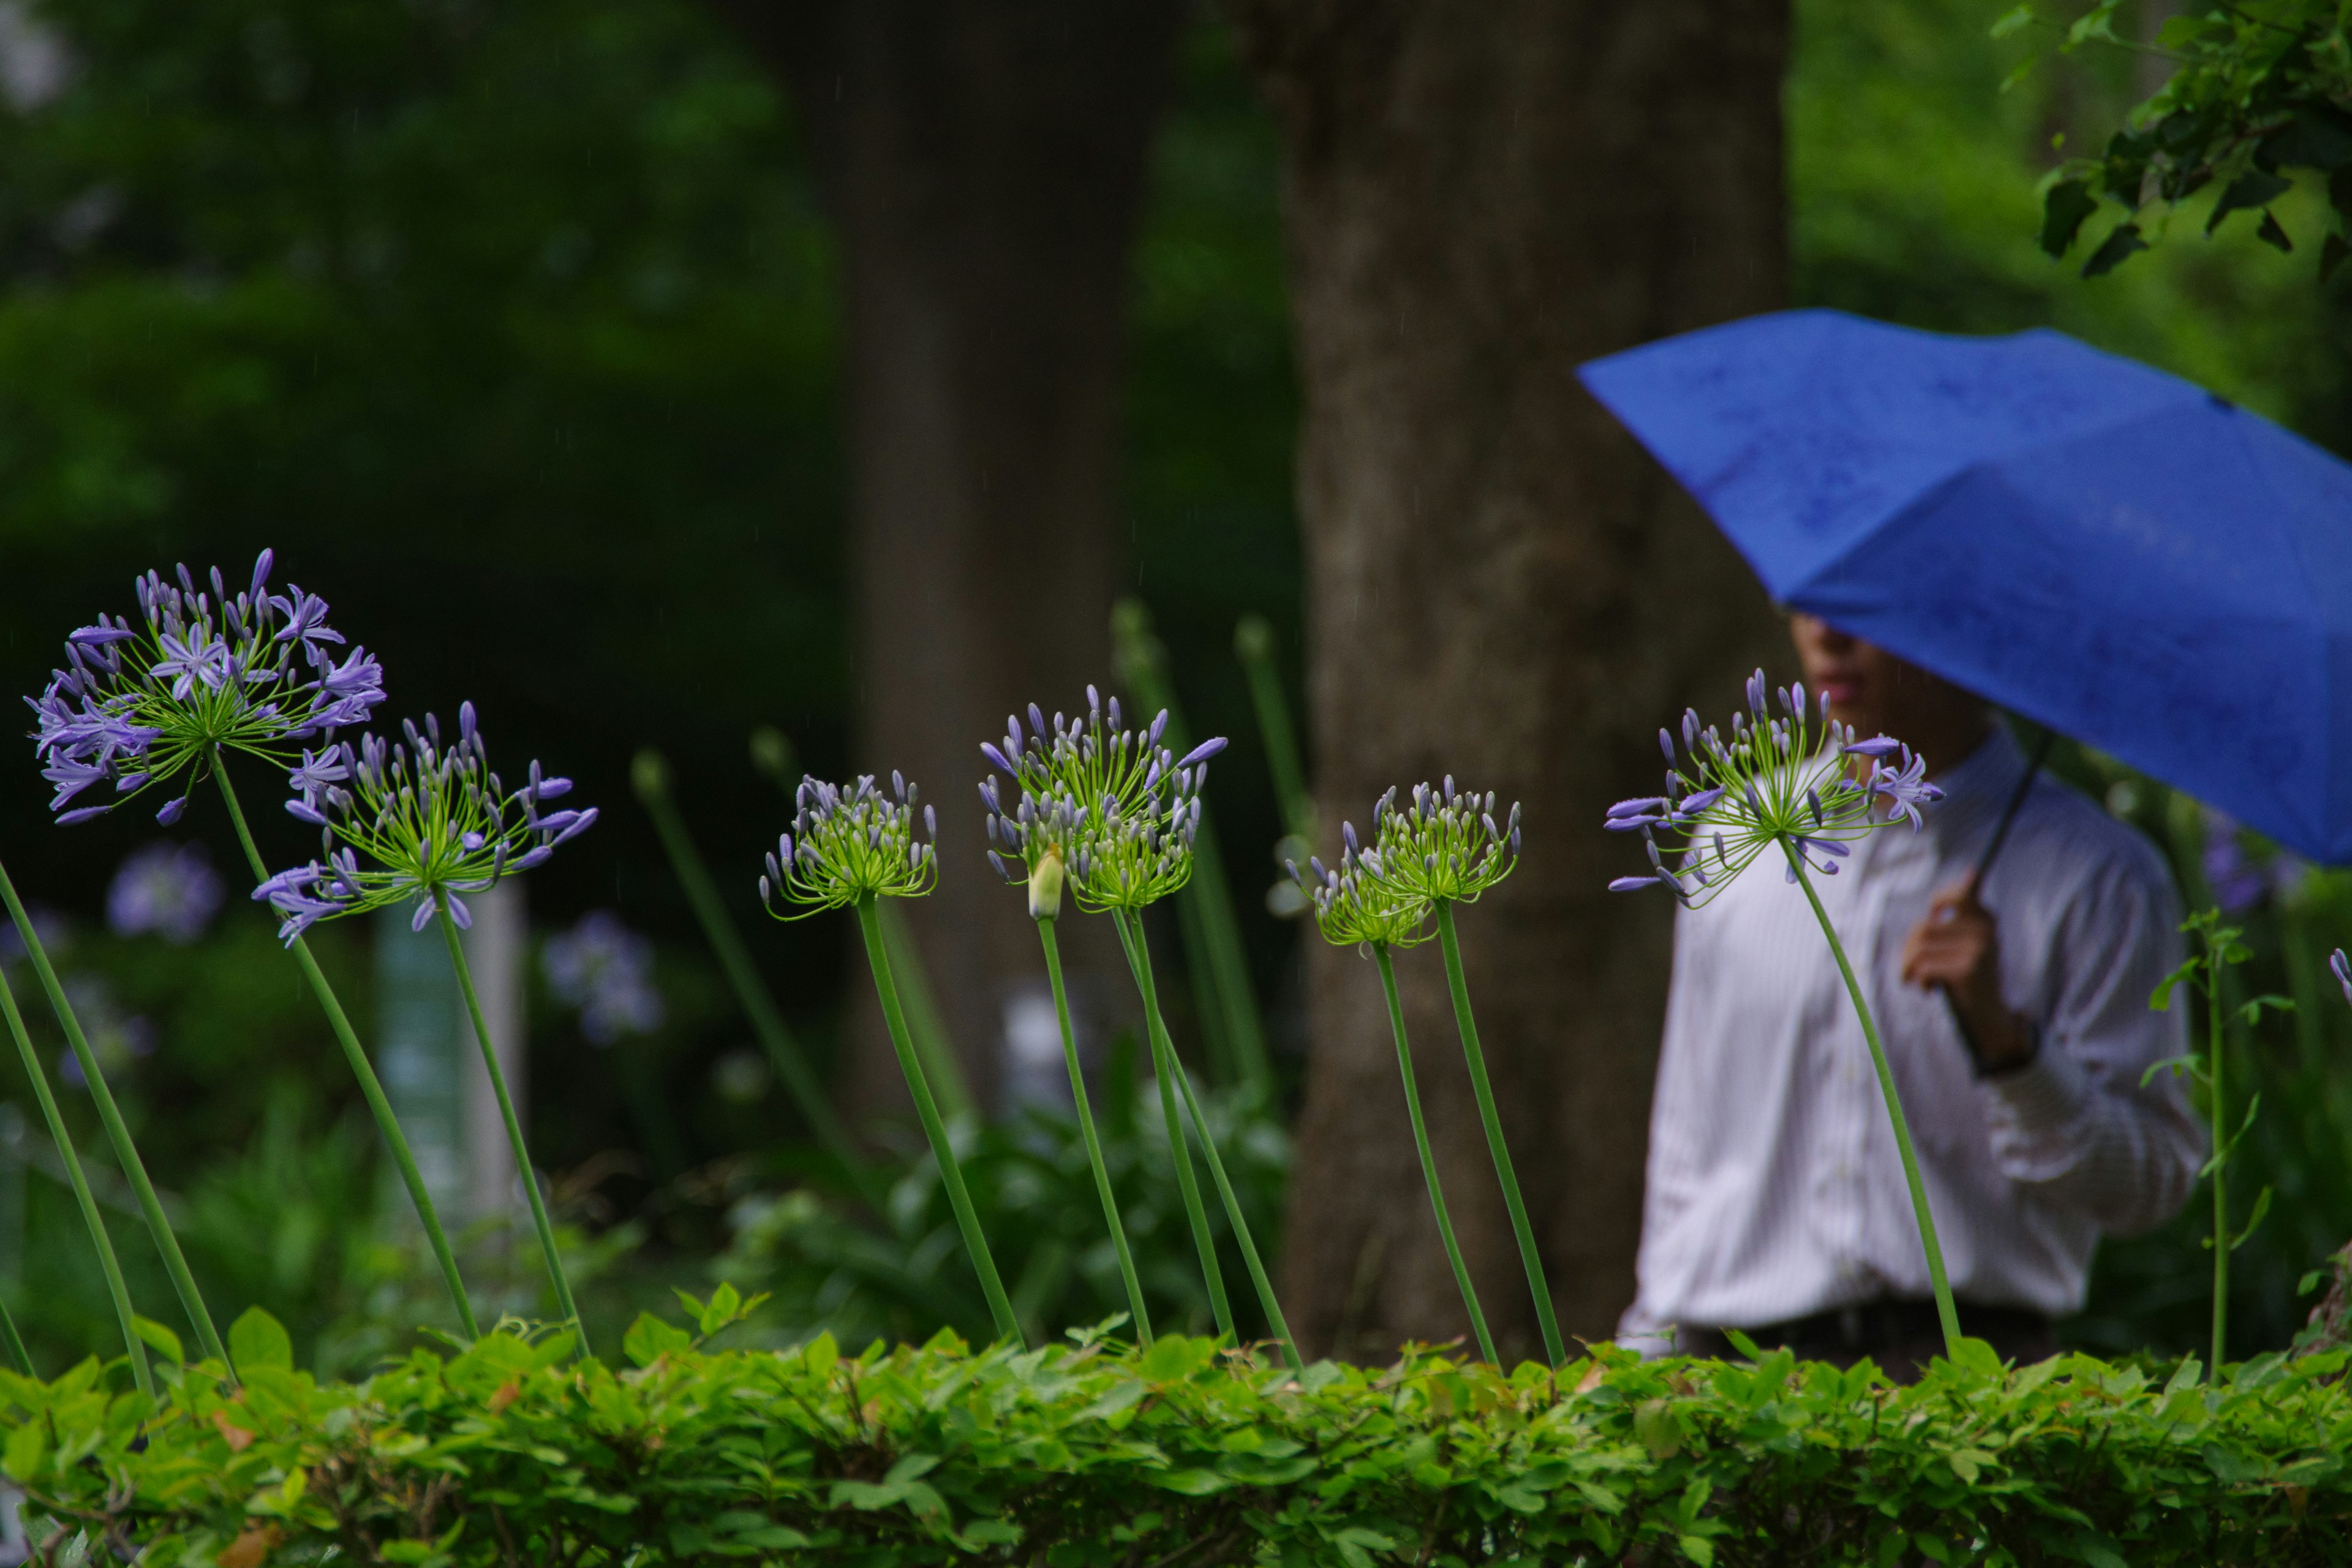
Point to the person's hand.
(1957, 950)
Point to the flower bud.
(1046, 887)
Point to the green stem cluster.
(1945, 1312)
(1555, 1348)
(1170, 1071)
(1086, 1131)
(371, 1088)
(877, 958)
(126, 1154)
(1429, 1160)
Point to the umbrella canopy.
(2105, 548)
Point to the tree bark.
(985, 165)
(1480, 194)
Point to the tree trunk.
(985, 165)
(1501, 586)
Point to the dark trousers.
(1901, 1337)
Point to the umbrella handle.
(1984, 865)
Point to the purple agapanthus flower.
(169, 889)
(414, 819)
(1789, 779)
(136, 707)
(606, 970)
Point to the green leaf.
(726, 1303)
(2068, 203)
(1699, 1549)
(2311, 1281)
(2012, 20)
(2273, 233)
(166, 1342)
(2262, 1208)
(1933, 1550)
(820, 1355)
(27, 1448)
(2254, 188)
(257, 1338)
(1173, 1358)
(649, 1338)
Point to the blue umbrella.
(2098, 546)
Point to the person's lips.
(1840, 689)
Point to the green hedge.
(1086, 1453)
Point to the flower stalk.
(1087, 1122)
(975, 1241)
(1491, 1119)
(1429, 1160)
(126, 1154)
(850, 849)
(1811, 788)
(650, 775)
(1947, 1313)
(371, 1088)
(1170, 1071)
(523, 1167)
(1380, 899)
(108, 1263)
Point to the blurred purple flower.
(2240, 879)
(169, 889)
(116, 1038)
(47, 924)
(605, 970)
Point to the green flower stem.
(369, 1088)
(924, 1027)
(1165, 1070)
(784, 1055)
(106, 1262)
(975, 1241)
(1945, 1312)
(1554, 1346)
(126, 1154)
(1086, 1131)
(514, 1132)
(2214, 959)
(1139, 954)
(1429, 1160)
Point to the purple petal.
(1876, 746)
(1203, 753)
(74, 819)
(171, 810)
(996, 758)
(423, 913)
(1629, 884)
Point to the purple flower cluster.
(2240, 879)
(253, 671)
(414, 819)
(849, 845)
(1111, 807)
(1777, 779)
(606, 970)
(169, 889)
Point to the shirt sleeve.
(2075, 1124)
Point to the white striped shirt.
(1774, 1187)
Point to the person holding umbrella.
(2013, 1000)
(2109, 551)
